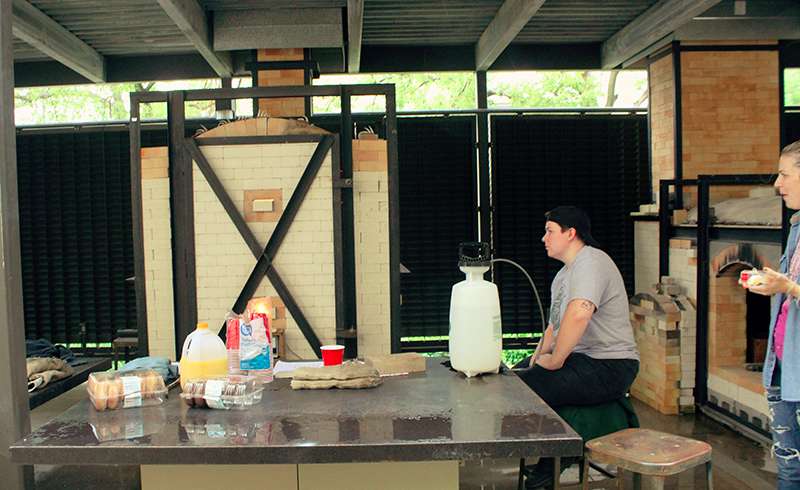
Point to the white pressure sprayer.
(476, 333)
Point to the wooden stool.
(647, 452)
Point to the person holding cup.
(781, 375)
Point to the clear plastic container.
(110, 391)
(232, 392)
(203, 355)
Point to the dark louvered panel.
(598, 163)
(75, 230)
(437, 212)
(791, 127)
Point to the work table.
(436, 416)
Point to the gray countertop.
(439, 415)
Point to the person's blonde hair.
(792, 150)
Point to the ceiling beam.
(355, 24)
(45, 34)
(188, 15)
(655, 23)
(278, 28)
(511, 18)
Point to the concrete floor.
(739, 463)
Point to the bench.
(81, 374)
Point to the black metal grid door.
(437, 211)
(596, 162)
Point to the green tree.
(548, 89)
(415, 91)
(791, 83)
(99, 102)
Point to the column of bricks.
(655, 319)
(662, 116)
(283, 107)
(157, 245)
(727, 332)
(371, 230)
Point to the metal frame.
(484, 189)
(678, 123)
(704, 234)
(16, 421)
(704, 183)
(342, 187)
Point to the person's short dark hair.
(572, 217)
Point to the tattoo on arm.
(587, 305)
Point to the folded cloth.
(43, 370)
(161, 365)
(44, 348)
(349, 375)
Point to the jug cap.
(202, 326)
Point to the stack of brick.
(281, 107)
(665, 376)
(371, 229)
(683, 263)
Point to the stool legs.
(521, 480)
(556, 473)
(709, 477)
(585, 474)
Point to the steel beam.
(278, 28)
(511, 18)
(48, 36)
(138, 227)
(655, 23)
(355, 24)
(181, 189)
(188, 15)
(14, 402)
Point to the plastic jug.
(203, 355)
(476, 335)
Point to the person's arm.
(573, 325)
(545, 345)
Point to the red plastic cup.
(332, 355)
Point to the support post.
(663, 228)
(394, 219)
(181, 185)
(348, 337)
(703, 230)
(676, 74)
(16, 421)
(139, 285)
(484, 199)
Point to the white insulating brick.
(241, 151)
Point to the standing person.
(781, 376)
(588, 354)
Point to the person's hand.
(547, 361)
(533, 360)
(773, 283)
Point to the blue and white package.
(254, 346)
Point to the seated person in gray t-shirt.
(588, 354)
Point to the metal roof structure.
(72, 41)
